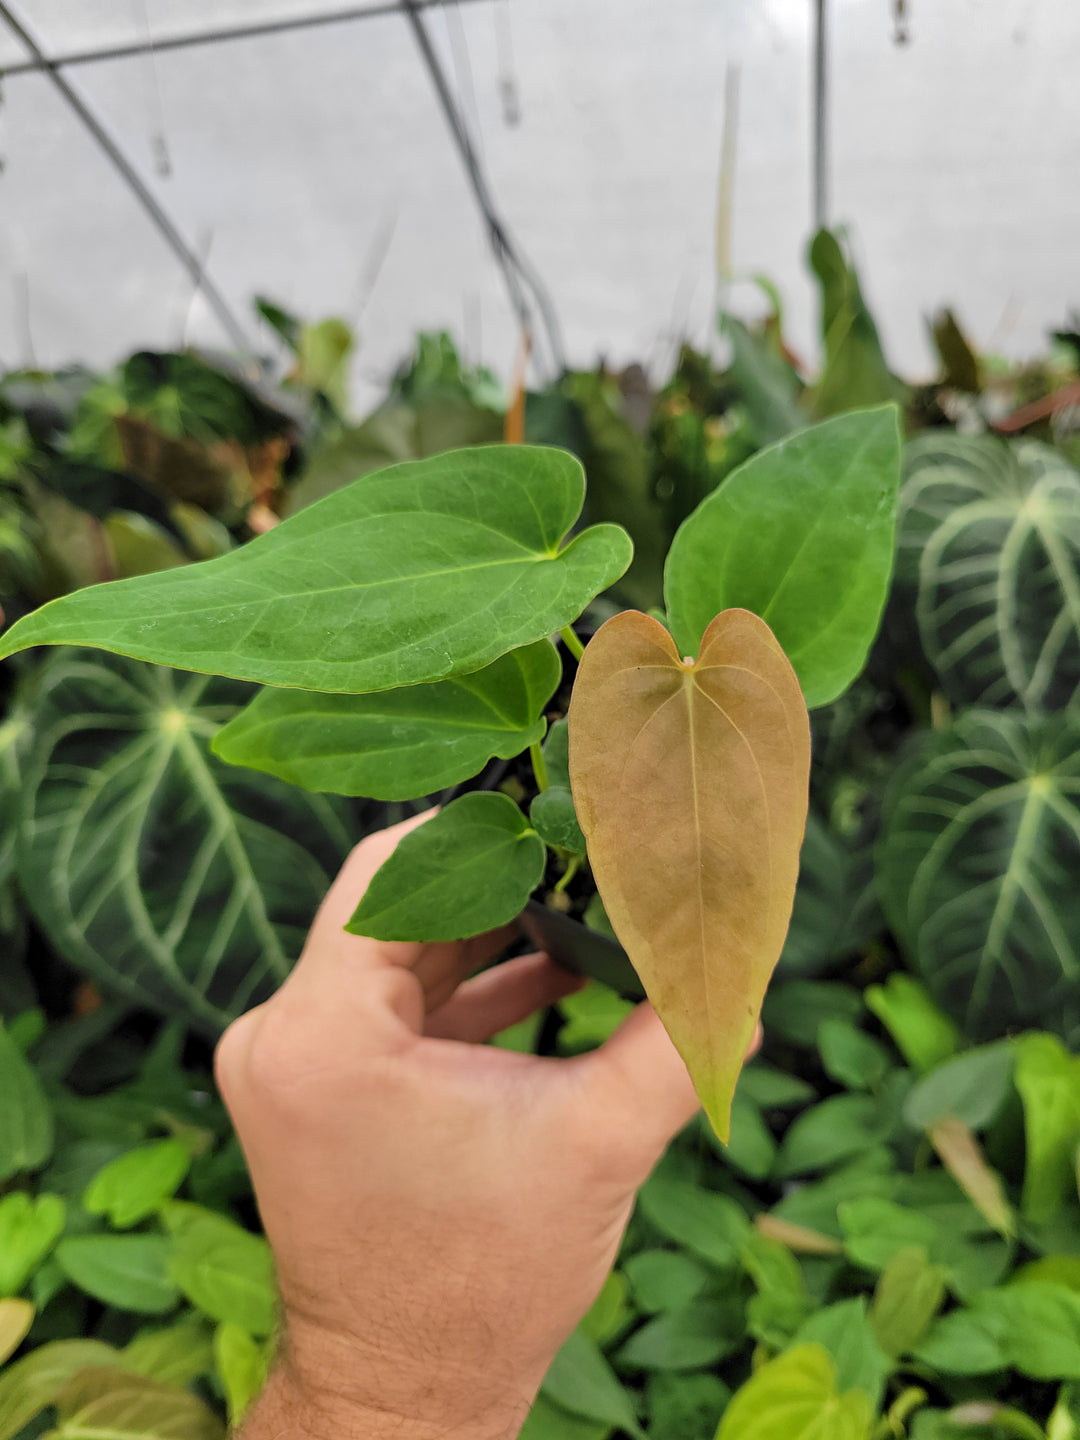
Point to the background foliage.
(890, 1244)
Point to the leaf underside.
(709, 759)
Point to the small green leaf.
(772, 1089)
(592, 1015)
(468, 869)
(971, 1087)
(750, 1147)
(130, 1271)
(557, 753)
(850, 1056)
(33, 1382)
(802, 535)
(610, 1312)
(548, 1421)
(664, 1279)
(1037, 1327)
(961, 1343)
(241, 1364)
(711, 1225)
(133, 1185)
(225, 1271)
(396, 744)
(555, 819)
(923, 1034)
(427, 569)
(1048, 1079)
(691, 1338)
(26, 1124)
(909, 1293)
(845, 1332)
(794, 1009)
(29, 1228)
(832, 1131)
(581, 1381)
(794, 1397)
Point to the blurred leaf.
(855, 371)
(909, 1293)
(766, 384)
(835, 1130)
(971, 1087)
(685, 1407)
(130, 1271)
(664, 1279)
(177, 1354)
(845, 1332)
(922, 1034)
(610, 1312)
(980, 841)
(1048, 1079)
(225, 1271)
(29, 1228)
(132, 1186)
(16, 1317)
(690, 1338)
(103, 1403)
(26, 1124)
(212, 874)
(836, 911)
(28, 1385)
(241, 1364)
(548, 1421)
(581, 1381)
(961, 1155)
(794, 1397)
(794, 1009)
(851, 1057)
(710, 1225)
(960, 364)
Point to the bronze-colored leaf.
(690, 779)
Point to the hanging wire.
(519, 276)
(509, 93)
(821, 98)
(901, 23)
(463, 71)
(155, 111)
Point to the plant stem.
(536, 755)
(573, 865)
(572, 643)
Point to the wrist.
(330, 1388)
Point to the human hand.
(442, 1212)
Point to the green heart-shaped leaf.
(467, 870)
(424, 570)
(29, 1228)
(133, 1185)
(794, 1397)
(397, 744)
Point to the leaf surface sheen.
(427, 569)
(396, 744)
(710, 760)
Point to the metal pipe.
(821, 116)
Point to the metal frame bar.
(821, 114)
(212, 37)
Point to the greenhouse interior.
(539, 720)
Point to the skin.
(442, 1212)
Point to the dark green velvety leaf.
(468, 869)
(977, 866)
(836, 909)
(581, 1381)
(685, 1407)
(990, 552)
(844, 1330)
(555, 819)
(396, 744)
(26, 1123)
(691, 1338)
(168, 875)
(802, 535)
(419, 572)
(131, 1271)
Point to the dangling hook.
(902, 30)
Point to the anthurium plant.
(423, 621)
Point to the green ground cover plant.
(888, 1243)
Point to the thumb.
(639, 1091)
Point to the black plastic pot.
(580, 949)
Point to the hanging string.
(504, 46)
(155, 113)
(463, 72)
(901, 24)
